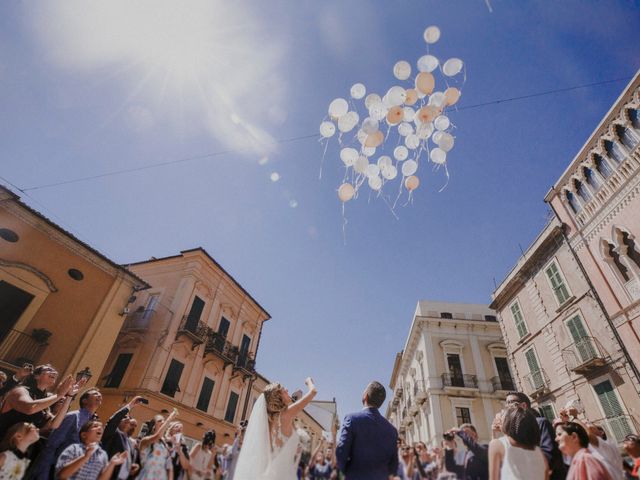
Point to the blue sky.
(88, 89)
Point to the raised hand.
(91, 448)
(76, 387)
(64, 386)
(137, 400)
(118, 458)
(309, 383)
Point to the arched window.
(602, 166)
(628, 137)
(635, 118)
(612, 257)
(573, 202)
(632, 253)
(582, 191)
(614, 151)
(592, 180)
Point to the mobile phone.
(28, 365)
(144, 401)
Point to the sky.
(91, 87)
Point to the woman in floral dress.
(155, 455)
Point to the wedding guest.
(236, 448)
(202, 457)
(517, 455)
(320, 468)
(15, 379)
(154, 452)
(13, 459)
(425, 465)
(476, 461)
(406, 458)
(631, 446)
(573, 441)
(178, 451)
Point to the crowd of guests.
(42, 439)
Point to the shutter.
(534, 369)
(231, 407)
(118, 371)
(194, 314)
(582, 341)
(559, 288)
(518, 319)
(172, 381)
(223, 329)
(618, 424)
(205, 394)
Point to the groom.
(367, 448)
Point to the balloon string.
(326, 145)
(399, 193)
(390, 207)
(344, 226)
(446, 171)
(488, 6)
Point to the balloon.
(395, 114)
(358, 90)
(427, 114)
(375, 183)
(431, 34)
(400, 153)
(396, 96)
(412, 97)
(346, 192)
(349, 156)
(442, 122)
(368, 151)
(327, 129)
(452, 67)
(369, 126)
(371, 99)
(411, 183)
(427, 63)
(377, 111)
(408, 114)
(436, 99)
(437, 136)
(425, 130)
(451, 96)
(389, 172)
(338, 108)
(412, 141)
(409, 168)
(348, 121)
(386, 101)
(402, 70)
(384, 161)
(438, 156)
(446, 142)
(405, 129)
(372, 170)
(361, 136)
(425, 82)
(374, 140)
(361, 164)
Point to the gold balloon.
(451, 96)
(374, 139)
(428, 113)
(346, 192)
(411, 182)
(395, 115)
(425, 82)
(412, 97)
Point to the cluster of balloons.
(408, 116)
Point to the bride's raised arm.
(295, 408)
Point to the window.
(119, 369)
(446, 315)
(573, 202)
(548, 412)
(582, 191)
(463, 415)
(490, 318)
(521, 326)
(455, 369)
(13, 302)
(244, 351)
(230, 414)
(76, 274)
(612, 257)
(632, 253)
(614, 151)
(193, 318)
(537, 379)
(635, 118)
(602, 166)
(223, 329)
(591, 178)
(583, 344)
(171, 383)
(504, 374)
(617, 422)
(557, 283)
(627, 137)
(9, 235)
(151, 306)
(205, 394)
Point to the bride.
(270, 447)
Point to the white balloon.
(361, 136)
(377, 111)
(371, 99)
(349, 156)
(442, 122)
(452, 67)
(400, 153)
(375, 183)
(372, 170)
(436, 99)
(386, 101)
(402, 70)
(358, 90)
(369, 151)
(338, 108)
(437, 136)
(369, 126)
(409, 168)
(446, 142)
(408, 114)
(327, 129)
(438, 156)
(431, 34)
(412, 141)
(389, 172)
(405, 129)
(384, 161)
(361, 164)
(348, 121)
(427, 63)
(396, 96)
(425, 130)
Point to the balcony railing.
(504, 384)
(19, 348)
(619, 426)
(246, 363)
(537, 383)
(138, 320)
(459, 381)
(585, 355)
(218, 345)
(419, 391)
(194, 329)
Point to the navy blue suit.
(367, 448)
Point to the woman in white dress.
(202, 458)
(270, 448)
(516, 455)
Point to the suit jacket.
(476, 465)
(367, 448)
(550, 450)
(113, 440)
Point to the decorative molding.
(42, 276)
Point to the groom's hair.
(376, 394)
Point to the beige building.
(190, 342)
(453, 370)
(61, 301)
(560, 344)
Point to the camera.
(243, 424)
(144, 401)
(448, 436)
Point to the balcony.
(459, 381)
(246, 364)
(537, 383)
(194, 329)
(585, 355)
(619, 426)
(419, 391)
(138, 320)
(502, 384)
(218, 345)
(19, 348)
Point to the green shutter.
(534, 369)
(559, 288)
(618, 424)
(582, 342)
(518, 319)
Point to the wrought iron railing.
(460, 381)
(19, 348)
(537, 382)
(619, 426)
(193, 328)
(246, 363)
(218, 344)
(584, 355)
(505, 384)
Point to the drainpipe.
(616, 334)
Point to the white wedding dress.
(257, 460)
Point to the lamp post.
(84, 374)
